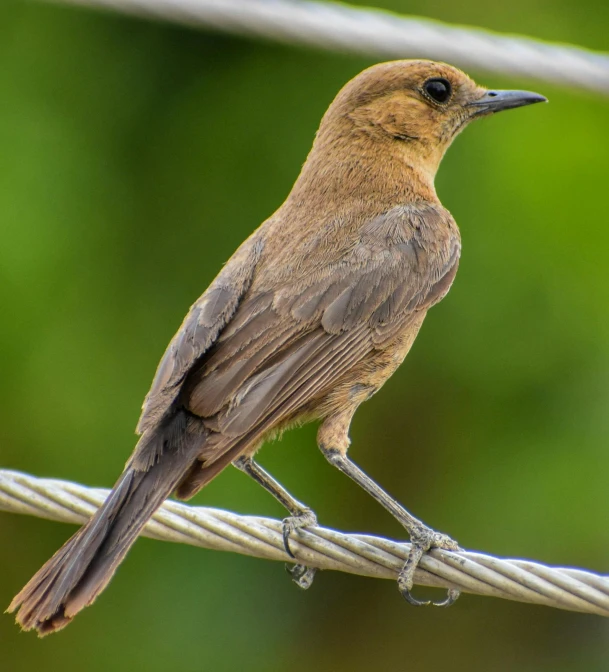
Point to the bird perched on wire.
(308, 319)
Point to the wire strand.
(520, 580)
(341, 27)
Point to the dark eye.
(438, 89)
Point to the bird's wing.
(199, 330)
(286, 347)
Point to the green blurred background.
(134, 158)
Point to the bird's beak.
(497, 100)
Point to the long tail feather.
(80, 570)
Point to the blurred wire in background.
(340, 27)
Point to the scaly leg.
(302, 516)
(333, 440)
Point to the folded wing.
(284, 348)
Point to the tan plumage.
(307, 319)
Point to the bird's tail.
(83, 566)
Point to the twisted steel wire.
(341, 27)
(520, 580)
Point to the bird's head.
(414, 108)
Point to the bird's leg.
(333, 440)
(301, 515)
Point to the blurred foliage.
(134, 158)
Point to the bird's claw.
(407, 595)
(421, 541)
(301, 575)
(452, 596)
(306, 518)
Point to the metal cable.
(319, 547)
(340, 27)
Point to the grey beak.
(497, 100)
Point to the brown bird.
(308, 319)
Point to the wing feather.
(201, 327)
(287, 347)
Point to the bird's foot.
(304, 518)
(301, 575)
(422, 539)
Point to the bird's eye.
(438, 89)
